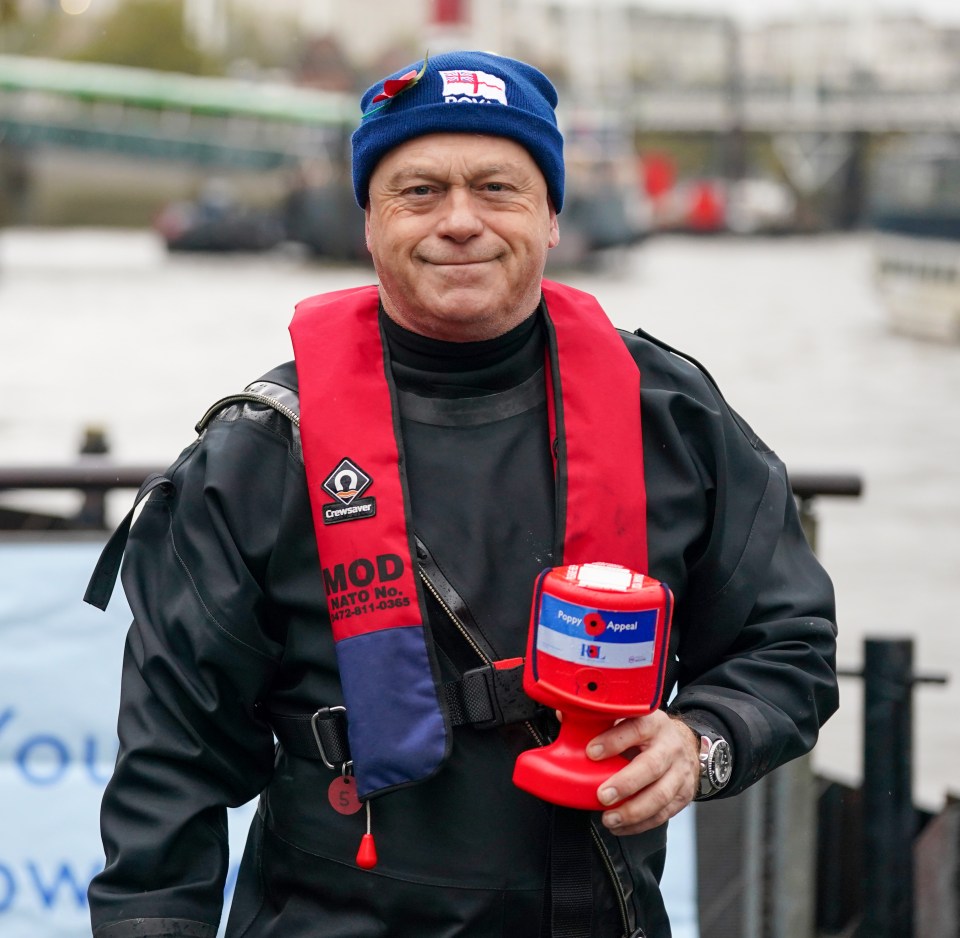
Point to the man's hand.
(661, 778)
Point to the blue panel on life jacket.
(395, 726)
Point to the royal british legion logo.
(473, 87)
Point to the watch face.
(716, 765)
(720, 763)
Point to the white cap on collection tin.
(605, 576)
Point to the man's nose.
(460, 217)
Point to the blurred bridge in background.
(821, 138)
(254, 124)
(797, 110)
(230, 123)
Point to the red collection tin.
(597, 652)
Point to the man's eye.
(419, 190)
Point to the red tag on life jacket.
(342, 794)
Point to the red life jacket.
(398, 728)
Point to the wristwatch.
(716, 765)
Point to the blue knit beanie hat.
(461, 92)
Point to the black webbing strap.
(482, 698)
(104, 577)
(321, 735)
(569, 888)
(490, 696)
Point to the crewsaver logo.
(346, 484)
(464, 85)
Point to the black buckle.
(324, 724)
(506, 701)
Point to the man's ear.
(554, 225)
(366, 225)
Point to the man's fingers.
(627, 734)
(635, 776)
(642, 813)
(657, 782)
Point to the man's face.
(459, 226)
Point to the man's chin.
(465, 295)
(479, 275)
(463, 316)
(465, 311)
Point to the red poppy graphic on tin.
(594, 624)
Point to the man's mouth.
(459, 261)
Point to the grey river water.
(104, 328)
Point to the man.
(348, 552)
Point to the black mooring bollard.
(93, 510)
(888, 815)
(889, 821)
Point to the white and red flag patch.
(465, 83)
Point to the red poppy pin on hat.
(394, 86)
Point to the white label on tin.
(606, 576)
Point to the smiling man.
(459, 227)
(331, 586)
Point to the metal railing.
(95, 475)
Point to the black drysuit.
(230, 625)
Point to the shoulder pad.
(261, 402)
(267, 393)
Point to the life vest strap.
(491, 695)
(483, 698)
(105, 573)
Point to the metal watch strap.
(708, 736)
(716, 765)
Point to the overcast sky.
(752, 10)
